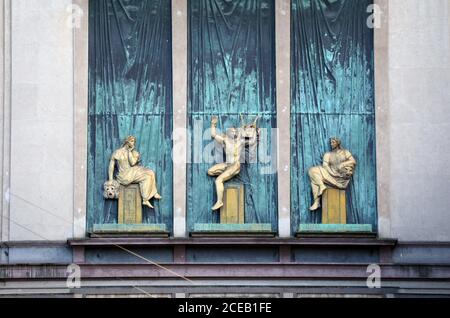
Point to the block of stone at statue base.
(232, 211)
(130, 205)
(334, 210)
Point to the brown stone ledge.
(224, 271)
(229, 241)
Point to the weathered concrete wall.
(419, 119)
(5, 112)
(41, 191)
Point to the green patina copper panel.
(231, 71)
(333, 95)
(236, 228)
(335, 228)
(129, 228)
(130, 93)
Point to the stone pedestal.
(130, 205)
(334, 209)
(232, 211)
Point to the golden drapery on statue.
(336, 171)
(130, 171)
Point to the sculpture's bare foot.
(147, 203)
(158, 196)
(217, 206)
(315, 206)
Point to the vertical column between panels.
(381, 47)
(179, 49)
(283, 66)
(5, 116)
(80, 103)
(2, 119)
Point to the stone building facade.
(44, 67)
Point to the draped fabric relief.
(231, 71)
(130, 93)
(333, 95)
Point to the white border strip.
(179, 56)
(5, 113)
(80, 103)
(283, 67)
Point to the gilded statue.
(336, 171)
(234, 142)
(130, 171)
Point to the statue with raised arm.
(130, 171)
(336, 171)
(233, 142)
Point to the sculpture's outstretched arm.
(112, 164)
(214, 134)
(133, 157)
(254, 138)
(349, 161)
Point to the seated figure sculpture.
(234, 142)
(130, 171)
(336, 171)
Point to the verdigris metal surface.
(130, 94)
(333, 95)
(129, 228)
(335, 228)
(231, 71)
(257, 228)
